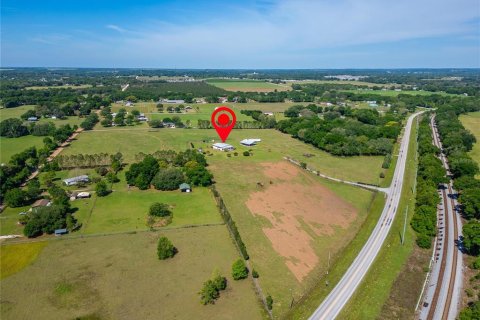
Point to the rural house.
(73, 181)
(223, 146)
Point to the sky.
(245, 34)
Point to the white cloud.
(116, 28)
(53, 39)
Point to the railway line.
(443, 297)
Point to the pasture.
(14, 258)
(65, 86)
(11, 146)
(394, 93)
(247, 85)
(471, 121)
(274, 146)
(120, 277)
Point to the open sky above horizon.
(241, 34)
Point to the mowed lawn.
(274, 146)
(248, 85)
(471, 121)
(120, 277)
(127, 210)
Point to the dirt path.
(55, 153)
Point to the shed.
(185, 187)
(250, 142)
(59, 232)
(41, 203)
(32, 119)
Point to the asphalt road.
(339, 296)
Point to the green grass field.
(120, 277)
(16, 112)
(471, 121)
(274, 146)
(247, 85)
(11, 146)
(16, 257)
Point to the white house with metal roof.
(223, 146)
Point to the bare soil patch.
(299, 209)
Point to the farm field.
(274, 146)
(247, 85)
(471, 121)
(80, 278)
(16, 257)
(291, 224)
(11, 146)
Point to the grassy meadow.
(11, 146)
(14, 258)
(120, 277)
(247, 85)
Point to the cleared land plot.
(291, 225)
(120, 277)
(471, 121)
(248, 85)
(11, 146)
(16, 112)
(274, 146)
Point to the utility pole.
(404, 226)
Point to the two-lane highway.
(339, 296)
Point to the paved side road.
(339, 296)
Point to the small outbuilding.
(185, 187)
(223, 146)
(60, 232)
(32, 119)
(249, 142)
(41, 203)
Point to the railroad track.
(443, 303)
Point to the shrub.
(476, 263)
(246, 153)
(159, 210)
(269, 300)
(382, 175)
(101, 189)
(424, 241)
(165, 249)
(101, 171)
(239, 270)
(255, 274)
(209, 293)
(211, 289)
(112, 177)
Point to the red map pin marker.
(225, 121)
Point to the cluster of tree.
(159, 210)
(211, 288)
(157, 123)
(49, 218)
(90, 121)
(232, 227)
(89, 160)
(18, 197)
(267, 124)
(156, 90)
(17, 170)
(344, 132)
(166, 170)
(14, 128)
(165, 248)
(430, 176)
(266, 120)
